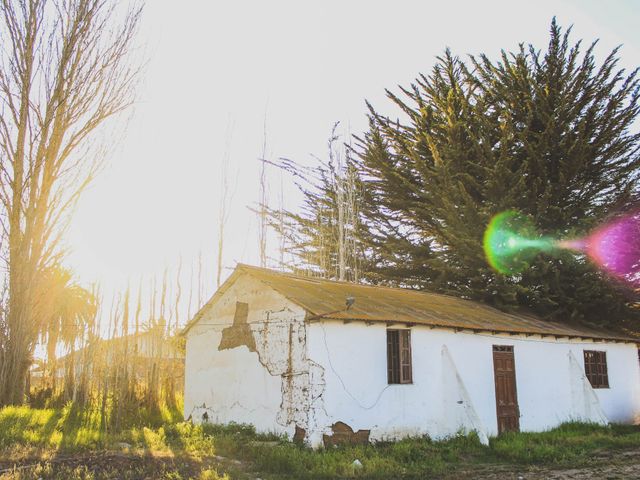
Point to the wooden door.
(504, 370)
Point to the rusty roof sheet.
(326, 299)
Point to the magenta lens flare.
(615, 247)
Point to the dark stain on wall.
(240, 332)
(343, 434)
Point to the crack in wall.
(280, 343)
(211, 414)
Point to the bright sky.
(216, 70)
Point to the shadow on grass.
(21, 425)
(70, 429)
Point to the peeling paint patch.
(239, 333)
(343, 434)
(299, 435)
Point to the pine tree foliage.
(549, 134)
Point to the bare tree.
(345, 186)
(163, 295)
(323, 236)
(225, 200)
(191, 289)
(200, 282)
(335, 157)
(282, 238)
(178, 294)
(64, 70)
(262, 206)
(138, 312)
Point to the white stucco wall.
(453, 381)
(261, 387)
(314, 374)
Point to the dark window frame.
(595, 368)
(399, 357)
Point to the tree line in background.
(66, 70)
(549, 134)
(121, 358)
(404, 204)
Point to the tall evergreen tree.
(548, 134)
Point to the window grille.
(595, 368)
(399, 368)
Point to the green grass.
(70, 429)
(49, 433)
(409, 458)
(117, 471)
(570, 443)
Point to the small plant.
(210, 474)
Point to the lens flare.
(510, 242)
(615, 247)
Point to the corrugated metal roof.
(326, 299)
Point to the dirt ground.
(108, 465)
(116, 466)
(607, 466)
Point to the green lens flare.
(510, 242)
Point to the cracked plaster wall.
(316, 375)
(255, 372)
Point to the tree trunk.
(16, 362)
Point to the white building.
(283, 353)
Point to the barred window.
(595, 368)
(399, 356)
